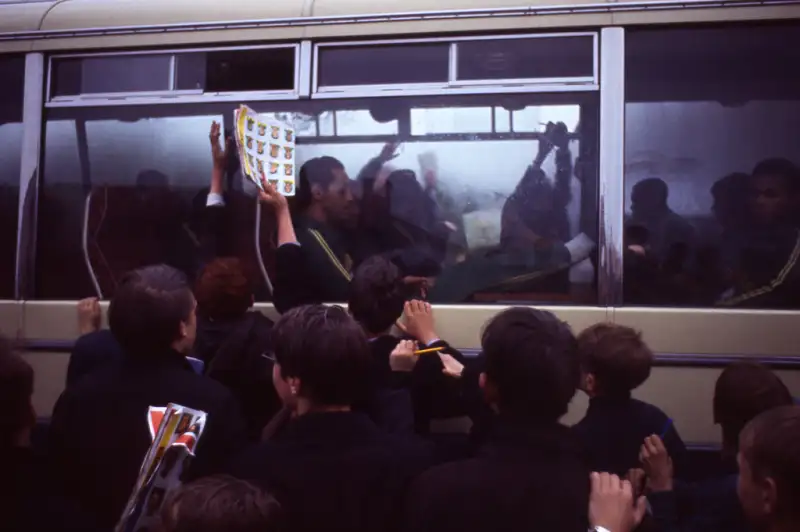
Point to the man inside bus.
(535, 250)
(766, 272)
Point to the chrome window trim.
(171, 95)
(29, 174)
(174, 51)
(611, 166)
(443, 90)
(171, 99)
(452, 73)
(305, 68)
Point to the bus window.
(488, 198)
(712, 184)
(12, 71)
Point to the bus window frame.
(453, 85)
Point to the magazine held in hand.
(175, 431)
(266, 149)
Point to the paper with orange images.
(175, 431)
(267, 149)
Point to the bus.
(650, 143)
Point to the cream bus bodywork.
(690, 342)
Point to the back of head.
(147, 309)
(16, 389)
(531, 358)
(376, 294)
(653, 191)
(616, 356)
(783, 168)
(223, 290)
(317, 171)
(743, 391)
(326, 350)
(220, 503)
(770, 446)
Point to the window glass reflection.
(12, 71)
(494, 217)
(711, 183)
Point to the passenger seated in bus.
(650, 209)
(153, 317)
(531, 472)
(220, 503)
(534, 251)
(323, 207)
(331, 467)
(615, 360)
(743, 391)
(766, 273)
(231, 340)
(769, 470)
(29, 501)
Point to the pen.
(667, 426)
(429, 350)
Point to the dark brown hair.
(220, 503)
(16, 389)
(743, 391)
(617, 357)
(223, 289)
(770, 444)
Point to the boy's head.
(377, 295)
(769, 469)
(322, 358)
(223, 289)
(614, 360)
(531, 364)
(220, 503)
(743, 391)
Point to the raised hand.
(611, 504)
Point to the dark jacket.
(237, 354)
(336, 471)
(28, 503)
(93, 351)
(99, 433)
(524, 478)
(613, 431)
(710, 506)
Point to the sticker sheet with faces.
(267, 149)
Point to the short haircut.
(219, 503)
(532, 358)
(148, 307)
(783, 168)
(770, 444)
(743, 391)
(317, 171)
(223, 289)
(327, 350)
(377, 294)
(617, 357)
(653, 186)
(16, 389)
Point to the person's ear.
(490, 394)
(589, 384)
(183, 331)
(294, 386)
(769, 496)
(316, 192)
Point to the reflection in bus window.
(711, 183)
(484, 216)
(12, 72)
